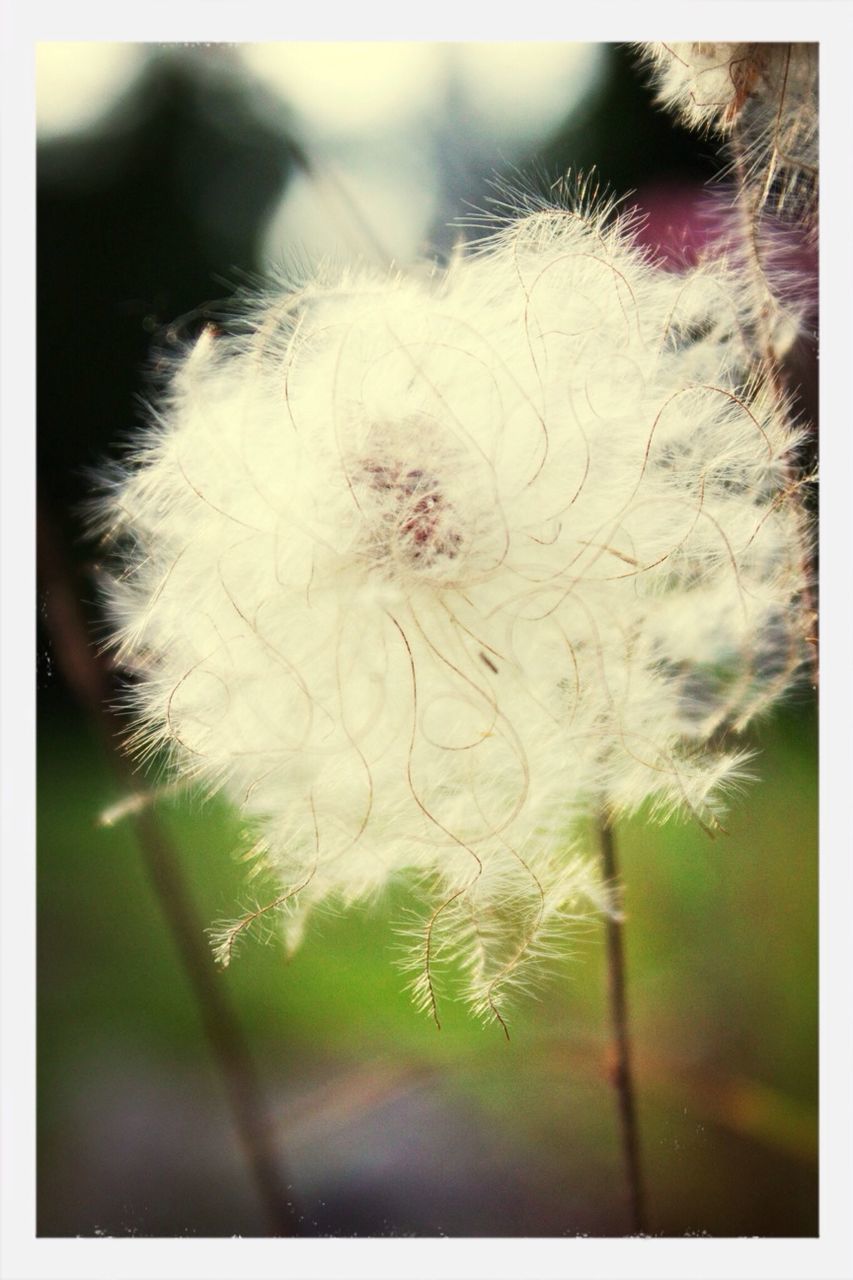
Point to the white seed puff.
(764, 97)
(417, 571)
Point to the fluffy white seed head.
(417, 571)
(764, 95)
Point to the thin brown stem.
(89, 680)
(621, 1071)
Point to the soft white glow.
(517, 90)
(76, 84)
(349, 87)
(524, 90)
(361, 95)
(361, 212)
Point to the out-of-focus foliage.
(391, 1127)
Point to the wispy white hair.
(419, 570)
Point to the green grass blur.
(722, 961)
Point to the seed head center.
(413, 518)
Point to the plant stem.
(90, 682)
(621, 1072)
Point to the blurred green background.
(173, 194)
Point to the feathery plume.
(764, 96)
(419, 569)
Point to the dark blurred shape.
(628, 141)
(138, 225)
(136, 229)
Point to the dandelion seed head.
(423, 569)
